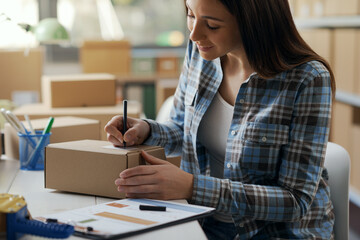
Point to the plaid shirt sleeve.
(170, 134)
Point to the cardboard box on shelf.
(164, 89)
(21, 71)
(79, 90)
(355, 154)
(321, 41)
(143, 66)
(318, 8)
(106, 56)
(341, 8)
(302, 8)
(341, 125)
(64, 129)
(102, 114)
(91, 167)
(346, 59)
(167, 65)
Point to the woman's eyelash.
(212, 28)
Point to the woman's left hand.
(160, 180)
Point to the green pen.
(49, 125)
(34, 156)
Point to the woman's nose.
(196, 33)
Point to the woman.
(251, 120)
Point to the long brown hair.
(270, 38)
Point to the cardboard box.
(20, 71)
(346, 59)
(88, 167)
(176, 160)
(167, 66)
(341, 125)
(318, 8)
(79, 90)
(355, 154)
(321, 41)
(64, 129)
(143, 66)
(106, 56)
(102, 114)
(303, 8)
(341, 8)
(164, 89)
(308, 8)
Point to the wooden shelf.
(329, 22)
(348, 98)
(124, 79)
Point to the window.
(19, 11)
(143, 22)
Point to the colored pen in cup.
(34, 155)
(3, 112)
(30, 125)
(124, 120)
(17, 125)
(16, 122)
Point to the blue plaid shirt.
(274, 182)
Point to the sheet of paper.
(124, 216)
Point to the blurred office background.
(142, 44)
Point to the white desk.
(42, 201)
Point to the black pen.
(124, 120)
(152, 208)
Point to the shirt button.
(242, 100)
(264, 139)
(233, 132)
(228, 165)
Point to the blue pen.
(34, 156)
(124, 120)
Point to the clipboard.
(122, 218)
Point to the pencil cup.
(31, 150)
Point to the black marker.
(152, 208)
(124, 120)
(51, 220)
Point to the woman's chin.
(207, 57)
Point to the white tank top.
(213, 133)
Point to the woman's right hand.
(137, 131)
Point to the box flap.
(100, 147)
(66, 121)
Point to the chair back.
(337, 162)
(164, 111)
